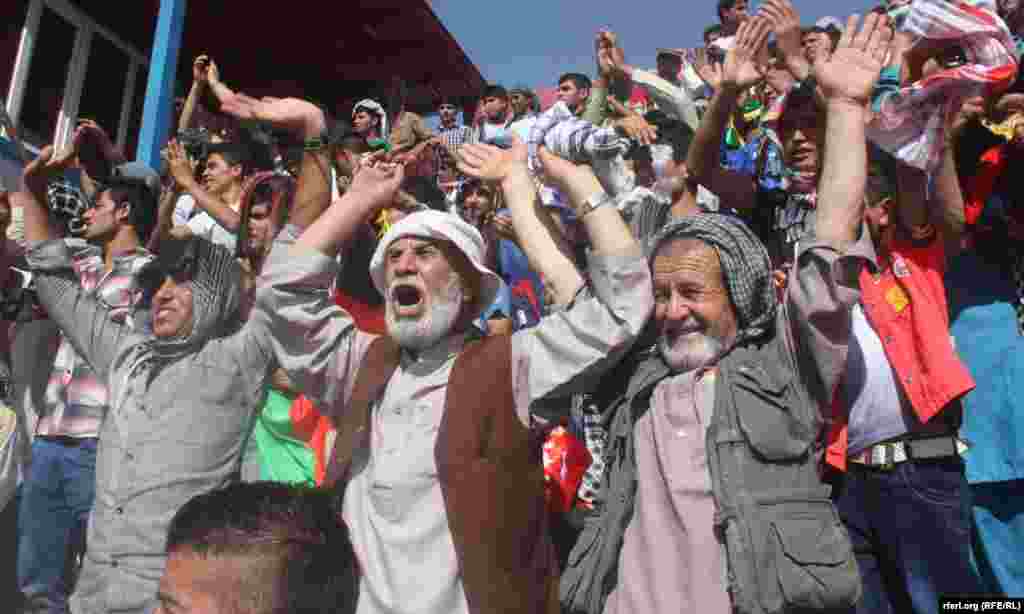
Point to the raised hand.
(611, 59)
(212, 72)
(851, 72)
(577, 181)
(604, 42)
(491, 163)
(47, 165)
(178, 165)
(741, 69)
(91, 131)
(711, 73)
(785, 23)
(199, 74)
(378, 183)
(632, 124)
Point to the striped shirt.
(444, 156)
(76, 398)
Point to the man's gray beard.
(689, 352)
(432, 326)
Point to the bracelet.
(593, 203)
(316, 144)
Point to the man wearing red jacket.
(898, 409)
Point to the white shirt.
(203, 225)
(184, 209)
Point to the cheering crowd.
(737, 333)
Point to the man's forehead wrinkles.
(411, 242)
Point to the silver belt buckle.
(883, 456)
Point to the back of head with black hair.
(494, 91)
(295, 549)
(712, 29)
(671, 132)
(580, 80)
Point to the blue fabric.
(525, 286)
(744, 159)
(999, 536)
(502, 306)
(910, 529)
(56, 497)
(984, 325)
(888, 83)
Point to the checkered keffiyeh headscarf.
(745, 266)
(216, 294)
(68, 203)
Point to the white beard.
(690, 351)
(418, 334)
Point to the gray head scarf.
(745, 266)
(216, 294)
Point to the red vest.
(905, 302)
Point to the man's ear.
(124, 210)
(237, 170)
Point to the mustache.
(683, 328)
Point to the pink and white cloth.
(569, 137)
(911, 122)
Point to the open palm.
(852, 70)
(740, 69)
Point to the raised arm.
(846, 81)
(949, 213)
(84, 320)
(785, 23)
(608, 232)
(540, 240)
(573, 346)
(674, 100)
(305, 121)
(165, 228)
(739, 72)
(825, 283)
(200, 68)
(181, 169)
(35, 178)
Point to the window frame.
(85, 29)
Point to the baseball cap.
(135, 173)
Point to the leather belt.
(888, 454)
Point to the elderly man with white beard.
(437, 472)
(712, 482)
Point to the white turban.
(436, 225)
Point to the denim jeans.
(56, 497)
(911, 532)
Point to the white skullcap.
(437, 225)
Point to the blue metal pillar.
(163, 64)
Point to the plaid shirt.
(444, 157)
(76, 398)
